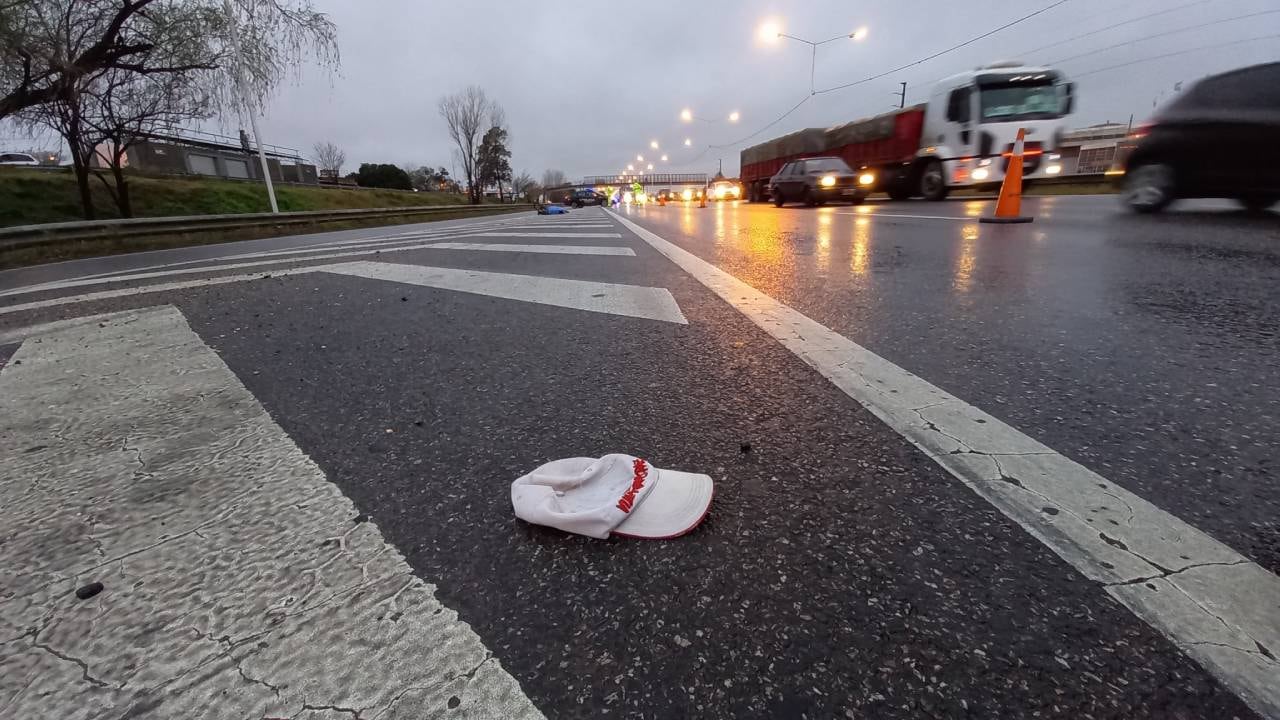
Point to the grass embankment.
(30, 197)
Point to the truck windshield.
(1020, 102)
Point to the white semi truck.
(961, 137)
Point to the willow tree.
(55, 55)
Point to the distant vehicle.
(690, 194)
(1219, 139)
(666, 196)
(583, 198)
(963, 136)
(18, 159)
(815, 181)
(723, 190)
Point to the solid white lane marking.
(547, 249)
(548, 234)
(630, 300)
(460, 230)
(540, 226)
(373, 242)
(1220, 608)
(67, 284)
(160, 287)
(236, 574)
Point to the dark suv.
(582, 198)
(1219, 139)
(817, 180)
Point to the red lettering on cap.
(641, 470)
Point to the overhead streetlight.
(770, 31)
(631, 167)
(664, 158)
(639, 158)
(770, 27)
(686, 115)
(650, 167)
(734, 116)
(653, 144)
(688, 142)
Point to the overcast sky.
(586, 85)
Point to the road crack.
(84, 667)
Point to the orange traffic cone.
(1009, 204)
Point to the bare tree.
(464, 114)
(553, 178)
(331, 158)
(123, 107)
(523, 185)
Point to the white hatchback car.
(17, 159)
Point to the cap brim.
(676, 504)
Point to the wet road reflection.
(1146, 348)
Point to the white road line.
(629, 300)
(317, 248)
(161, 287)
(539, 226)
(547, 249)
(1220, 608)
(135, 457)
(66, 284)
(548, 234)
(420, 234)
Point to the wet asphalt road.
(840, 573)
(1146, 348)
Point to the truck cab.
(972, 120)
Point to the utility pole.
(238, 73)
(902, 98)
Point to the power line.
(777, 120)
(1091, 33)
(1179, 52)
(1131, 21)
(953, 48)
(1163, 34)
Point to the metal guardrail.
(23, 236)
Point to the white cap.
(618, 494)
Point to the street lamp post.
(247, 99)
(858, 34)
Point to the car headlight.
(867, 179)
(687, 194)
(828, 180)
(981, 173)
(1053, 169)
(735, 190)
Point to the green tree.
(383, 175)
(493, 160)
